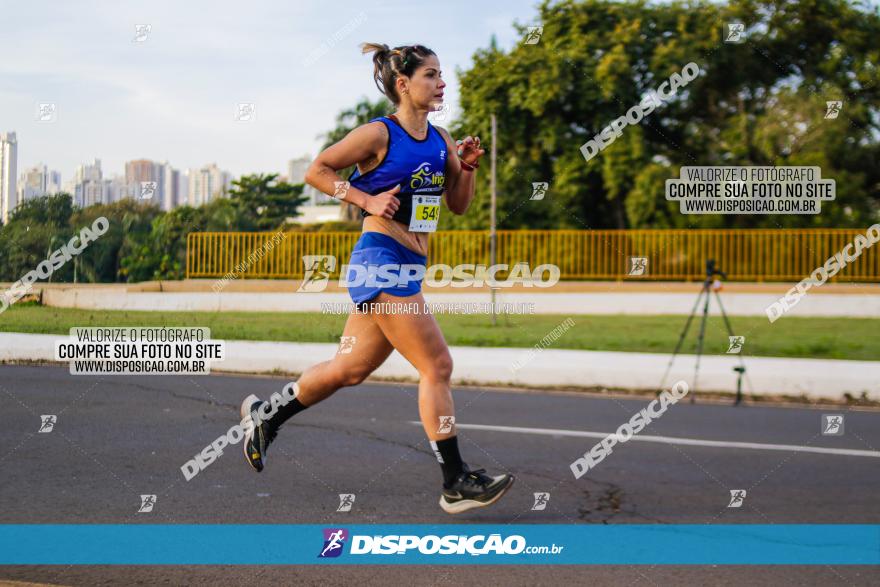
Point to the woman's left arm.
(460, 180)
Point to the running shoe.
(474, 489)
(258, 439)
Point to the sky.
(174, 96)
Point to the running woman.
(404, 167)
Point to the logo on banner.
(334, 541)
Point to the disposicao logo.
(334, 541)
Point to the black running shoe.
(474, 489)
(260, 437)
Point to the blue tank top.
(418, 166)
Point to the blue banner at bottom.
(455, 544)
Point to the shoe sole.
(469, 504)
(245, 411)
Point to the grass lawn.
(820, 338)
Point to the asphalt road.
(116, 438)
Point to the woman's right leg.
(368, 349)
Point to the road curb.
(805, 378)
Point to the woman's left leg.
(417, 336)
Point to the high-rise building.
(53, 182)
(88, 172)
(38, 181)
(296, 174)
(32, 183)
(69, 187)
(143, 170)
(208, 183)
(88, 184)
(91, 193)
(182, 189)
(170, 187)
(296, 169)
(199, 187)
(8, 170)
(115, 189)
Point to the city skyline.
(173, 89)
(91, 184)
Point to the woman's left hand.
(469, 149)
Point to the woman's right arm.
(361, 144)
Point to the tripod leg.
(681, 338)
(700, 339)
(724, 315)
(742, 363)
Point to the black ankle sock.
(449, 458)
(285, 413)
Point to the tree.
(757, 103)
(119, 255)
(36, 228)
(347, 121)
(161, 252)
(262, 203)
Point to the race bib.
(425, 213)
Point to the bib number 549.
(425, 213)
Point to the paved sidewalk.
(827, 379)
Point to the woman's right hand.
(384, 204)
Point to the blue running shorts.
(374, 249)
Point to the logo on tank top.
(423, 178)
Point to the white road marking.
(673, 440)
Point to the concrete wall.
(635, 303)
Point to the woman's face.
(425, 87)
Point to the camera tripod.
(710, 285)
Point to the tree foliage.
(261, 202)
(346, 121)
(143, 243)
(761, 102)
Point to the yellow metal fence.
(746, 255)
